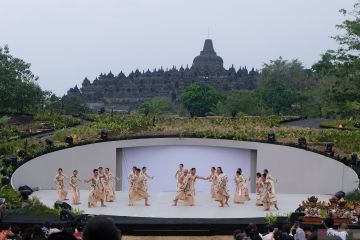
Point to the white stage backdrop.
(162, 162)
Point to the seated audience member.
(310, 234)
(330, 231)
(100, 228)
(253, 232)
(79, 231)
(270, 234)
(37, 233)
(286, 232)
(297, 232)
(16, 233)
(278, 235)
(343, 231)
(5, 231)
(236, 232)
(61, 236)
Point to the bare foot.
(103, 205)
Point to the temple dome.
(208, 61)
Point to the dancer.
(95, 191)
(193, 177)
(213, 179)
(273, 180)
(146, 177)
(268, 197)
(60, 186)
(137, 190)
(109, 186)
(74, 188)
(222, 191)
(178, 174)
(259, 189)
(101, 176)
(184, 192)
(244, 183)
(132, 174)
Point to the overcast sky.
(68, 40)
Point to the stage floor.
(161, 206)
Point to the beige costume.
(109, 188)
(95, 194)
(259, 191)
(222, 191)
(74, 188)
(184, 192)
(268, 198)
(60, 187)
(213, 191)
(137, 190)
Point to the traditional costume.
(184, 191)
(222, 190)
(213, 190)
(137, 190)
(268, 198)
(74, 188)
(60, 186)
(109, 187)
(259, 190)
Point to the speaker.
(62, 205)
(67, 215)
(339, 195)
(5, 180)
(25, 192)
(25, 187)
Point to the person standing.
(109, 186)
(60, 186)
(268, 198)
(146, 177)
(178, 174)
(74, 188)
(240, 188)
(222, 191)
(259, 189)
(184, 192)
(271, 178)
(95, 190)
(138, 190)
(193, 177)
(213, 179)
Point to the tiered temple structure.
(126, 92)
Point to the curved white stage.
(298, 171)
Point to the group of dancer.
(265, 190)
(102, 187)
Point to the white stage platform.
(161, 206)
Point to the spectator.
(236, 232)
(343, 231)
(278, 235)
(270, 235)
(330, 231)
(5, 231)
(79, 231)
(310, 234)
(61, 236)
(99, 228)
(37, 233)
(299, 232)
(286, 232)
(254, 233)
(16, 233)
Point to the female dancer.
(109, 186)
(193, 177)
(222, 191)
(95, 194)
(74, 180)
(178, 174)
(271, 178)
(213, 179)
(146, 177)
(240, 188)
(60, 186)
(137, 190)
(101, 175)
(245, 185)
(184, 192)
(268, 198)
(259, 189)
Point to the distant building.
(126, 92)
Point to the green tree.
(199, 99)
(73, 104)
(19, 91)
(155, 106)
(243, 101)
(53, 103)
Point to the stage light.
(62, 205)
(103, 134)
(5, 180)
(10, 160)
(233, 113)
(22, 153)
(357, 124)
(25, 193)
(146, 111)
(49, 142)
(302, 141)
(271, 136)
(328, 147)
(354, 158)
(69, 140)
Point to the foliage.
(73, 104)
(353, 196)
(200, 99)
(3, 120)
(19, 91)
(56, 120)
(270, 218)
(155, 106)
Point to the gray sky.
(67, 40)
